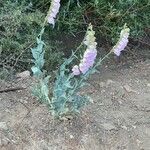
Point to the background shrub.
(21, 20)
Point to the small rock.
(66, 118)
(103, 91)
(129, 89)
(109, 126)
(101, 104)
(4, 141)
(134, 126)
(3, 126)
(138, 142)
(109, 82)
(124, 127)
(23, 101)
(24, 74)
(101, 84)
(90, 100)
(71, 136)
(148, 84)
(65, 128)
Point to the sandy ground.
(118, 118)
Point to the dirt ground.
(118, 118)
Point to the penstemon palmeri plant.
(41, 90)
(66, 99)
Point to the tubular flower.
(123, 41)
(54, 9)
(89, 55)
(76, 70)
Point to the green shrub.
(21, 20)
(19, 26)
(106, 16)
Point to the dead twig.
(12, 89)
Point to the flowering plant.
(66, 97)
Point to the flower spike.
(54, 9)
(89, 55)
(122, 42)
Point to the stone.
(129, 89)
(109, 82)
(101, 84)
(148, 84)
(108, 126)
(24, 74)
(71, 136)
(3, 126)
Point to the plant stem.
(102, 59)
(44, 23)
(97, 64)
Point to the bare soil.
(118, 118)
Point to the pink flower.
(89, 55)
(86, 63)
(123, 41)
(76, 70)
(51, 20)
(54, 9)
(83, 67)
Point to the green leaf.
(38, 55)
(36, 71)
